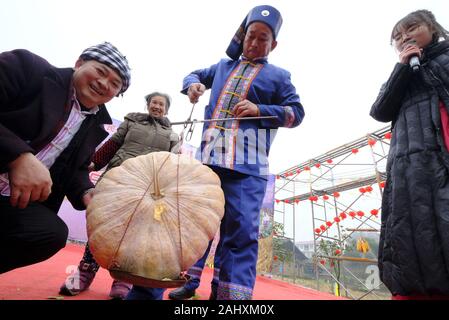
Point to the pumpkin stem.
(157, 194)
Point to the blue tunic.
(272, 91)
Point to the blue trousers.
(196, 271)
(143, 293)
(238, 246)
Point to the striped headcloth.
(109, 55)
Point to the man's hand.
(91, 167)
(29, 180)
(246, 108)
(87, 196)
(195, 91)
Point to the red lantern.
(336, 194)
(317, 230)
(352, 214)
(337, 252)
(371, 142)
(277, 200)
(387, 135)
(362, 190)
(374, 212)
(296, 201)
(325, 197)
(306, 168)
(278, 177)
(337, 219)
(287, 201)
(323, 262)
(343, 215)
(328, 223)
(329, 161)
(298, 171)
(355, 150)
(317, 165)
(369, 189)
(275, 258)
(322, 227)
(360, 213)
(382, 184)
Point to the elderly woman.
(139, 134)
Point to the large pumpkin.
(154, 215)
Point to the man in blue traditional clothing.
(237, 150)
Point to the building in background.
(306, 247)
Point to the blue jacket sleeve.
(287, 106)
(204, 76)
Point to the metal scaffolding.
(337, 188)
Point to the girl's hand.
(409, 50)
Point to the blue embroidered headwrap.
(266, 14)
(109, 55)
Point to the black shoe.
(212, 296)
(181, 294)
(213, 293)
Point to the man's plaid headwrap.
(109, 55)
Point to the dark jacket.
(414, 240)
(34, 105)
(141, 134)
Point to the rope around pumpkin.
(159, 208)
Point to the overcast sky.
(338, 53)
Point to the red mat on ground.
(42, 281)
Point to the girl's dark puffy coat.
(414, 240)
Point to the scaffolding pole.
(320, 185)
